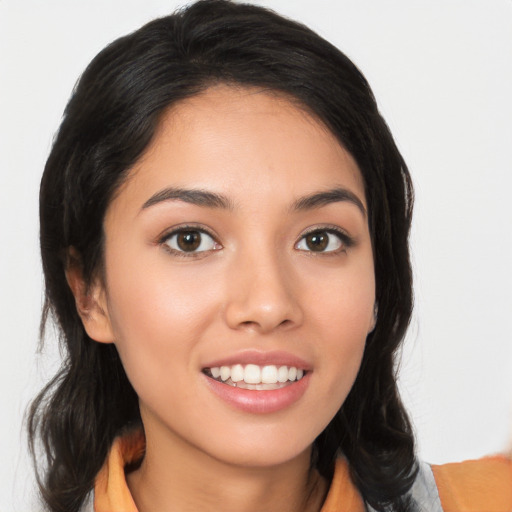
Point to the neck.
(182, 478)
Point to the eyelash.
(164, 241)
(345, 240)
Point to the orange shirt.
(473, 486)
(483, 485)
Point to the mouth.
(255, 377)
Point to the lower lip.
(260, 402)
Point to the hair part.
(108, 123)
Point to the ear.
(374, 318)
(90, 300)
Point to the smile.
(252, 376)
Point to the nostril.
(252, 323)
(248, 323)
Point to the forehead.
(244, 141)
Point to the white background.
(442, 74)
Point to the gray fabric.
(424, 491)
(88, 505)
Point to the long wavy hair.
(110, 119)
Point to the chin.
(262, 446)
(259, 457)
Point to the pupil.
(189, 240)
(317, 241)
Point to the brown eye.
(190, 241)
(317, 241)
(322, 241)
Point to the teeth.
(282, 374)
(237, 373)
(269, 375)
(254, 374)
(225, 372)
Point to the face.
(239, 283)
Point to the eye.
(323, 240)
(191, 241)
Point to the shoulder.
(483, 485)
(475, 485)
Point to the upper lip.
(260, 358)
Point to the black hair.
(109, 121)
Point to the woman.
(224, 223)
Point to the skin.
(257, 286)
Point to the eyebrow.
(214, 200)
(319, 199)
(192, 196)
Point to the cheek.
(343, 301)
(150, 294)
(342, 311)
(157, 317)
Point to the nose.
(262, 295)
